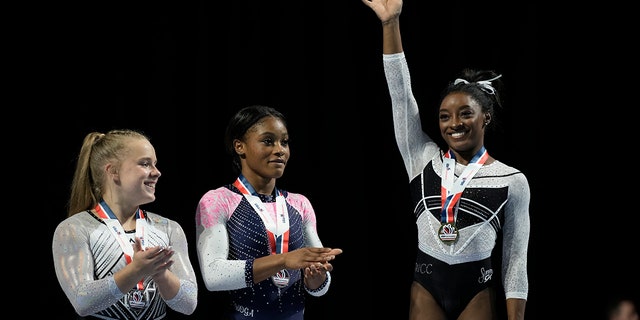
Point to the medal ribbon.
(451, 188)
(277, 231)
(110, 219)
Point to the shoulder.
(500, 168)
(498, 174)
(80, 219)
(216, 204)
(163, 224)
(292, 196)
(77, 222)
(159, 220)
(223, 194)
(77, 227)
(298, 201)
(514, 178)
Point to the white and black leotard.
(86, 255)
(495, 201)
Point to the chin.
(459, 147)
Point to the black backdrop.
(178, 72)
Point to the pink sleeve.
(216, 206)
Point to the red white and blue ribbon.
(278, 230)
(451, 187)
(104, 212)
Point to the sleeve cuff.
(322, 289)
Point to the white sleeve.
(516, 239)
(74, 266)
(415, 146)
(218, 273)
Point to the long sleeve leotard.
(230, 235)
(496, 200)
(86, 255)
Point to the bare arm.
(515, 309)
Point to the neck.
(465, 157)
(126, 214)
(260, 184)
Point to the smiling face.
(135, 176)
(462, 124)
(264, 149)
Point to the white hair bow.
(484, 84)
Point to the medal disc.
(137, 299)
(448, 233)
(281, 279)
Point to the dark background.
(179, 71)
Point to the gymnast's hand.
(386, 10)
(310, 256)
(152, 260)
(316, 274)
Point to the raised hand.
(386, 10)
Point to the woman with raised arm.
(464, 200)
